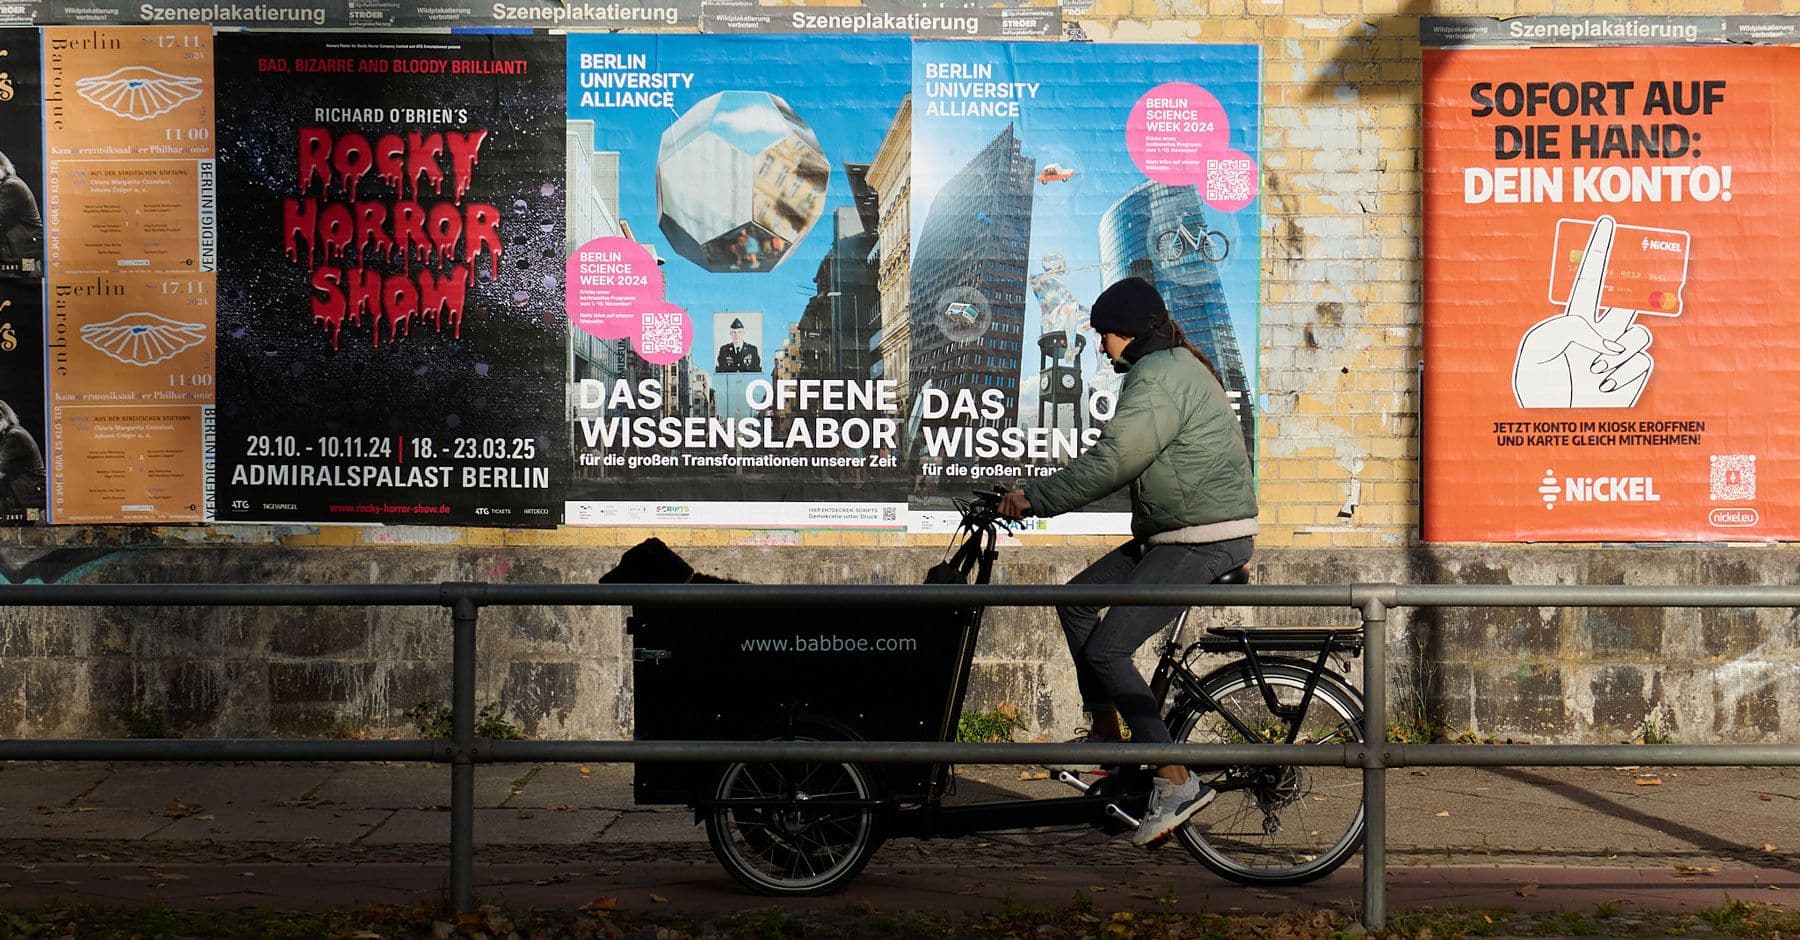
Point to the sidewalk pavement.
(301, 836)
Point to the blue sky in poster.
(1077, 120)
(846, 88)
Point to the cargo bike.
(805, 828)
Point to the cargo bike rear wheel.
(794, 828)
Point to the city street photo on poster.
(391, 303)
(1041, 174)
(727, 301)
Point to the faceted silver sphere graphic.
(740, 180)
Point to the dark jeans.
(1103, 645)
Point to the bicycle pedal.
(1064, 776)
(1113, 810)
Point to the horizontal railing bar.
(916, 752)
(1595, 595)
(1592, 755)
(222, 749)
(909, 752)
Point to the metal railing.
(463, 750)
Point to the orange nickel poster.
(1610, 352)
(131, 255)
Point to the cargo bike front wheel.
(794, 828)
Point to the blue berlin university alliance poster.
(730, 283)
(1042, 173)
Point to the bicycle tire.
(1290, 825)
(794, 851)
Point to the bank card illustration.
(1646, 270)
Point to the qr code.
(1230, 179)
(662, 334)
(1733, 477)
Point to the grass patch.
(435, 720)
(996, 726)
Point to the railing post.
(1374, 601)
(462, 742)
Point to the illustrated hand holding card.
(1646, 270)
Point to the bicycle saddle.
(1238, 575)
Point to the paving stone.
(273, 824)
(496, 827)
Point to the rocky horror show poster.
(391, 325)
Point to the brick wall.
(1339, 372)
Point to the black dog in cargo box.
(652, 562)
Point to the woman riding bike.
(1174, 439)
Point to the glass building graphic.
(740, 179)
(1158, 233)
(968, 276)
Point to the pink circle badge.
(615, 291)
(1179, 135)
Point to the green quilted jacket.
(1174, 439)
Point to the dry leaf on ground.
(1527, 890)
(1444, 812)
(1648, 781)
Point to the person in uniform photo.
(737, 355)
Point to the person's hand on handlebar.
(1014, 505)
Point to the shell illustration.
(139, 92)
(143, 339)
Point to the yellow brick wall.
(1339, 343)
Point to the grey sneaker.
(1170, 807)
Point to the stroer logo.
(1596, 490)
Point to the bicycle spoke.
(1277, 823)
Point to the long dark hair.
(1181, 339)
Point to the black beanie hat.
(1128, 308)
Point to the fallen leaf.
(1527, 890)
(84, 809)
(1768, 848)
(1033, 775)
(207, 817)
(606, 903)
(1764, 797)
(658, 898)
(1648, 781)
(1441, 813)
(4, 885)
(583, 770)
(1694, 871)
